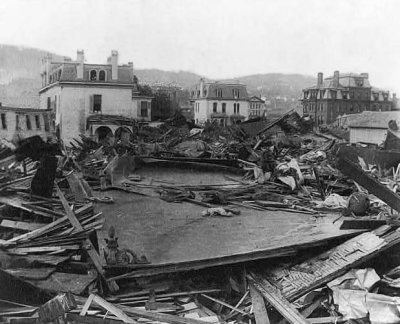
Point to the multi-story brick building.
(340, 94)
(75, 91)
(225, 103)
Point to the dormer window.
(102, 75)
(219, 93)
(93, 75)
(235, 93)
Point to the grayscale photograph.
(199, 161)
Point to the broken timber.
(295, 281)
(259, 309)
(275, 298)
(373, 186)
(95, 257)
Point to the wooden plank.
(24, 226)
(308, 310)
(259, 309)
(373, 186)
(39, 231)
(85, 307)
(40, 249)
(314, 272)
(56, 307)
(225, 304)
(112, 309)
(31, 273)
(76, 318)
(88, 246)
(166, 318)
(275, 298)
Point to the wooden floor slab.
(176, 233)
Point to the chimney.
(336, 79)
(80, 57)
(114, 65)
(365, 75)
(201, 87)
(320, 79)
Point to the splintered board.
(176, 237)
(296, 280)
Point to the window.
(37, 120)
(17, 126)
(46, 123)
(215, 106)
(143, 108)
(93, 75)
(102, 75)
(224, 107)
(48, 103)
(236, 108)
(59, 74)
(96, 103)
(28, 123)
(3, 121)
(198, 93)
(204, 93)
(219, 93)
(235, 93)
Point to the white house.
(371, 127)
(75, 91)
(223, 102)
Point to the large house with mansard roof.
(75, 91)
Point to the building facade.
(75, 90)
(20, 123)
(371, 127)
(257, 107)
(225, 103)
(340, 94)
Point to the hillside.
(20, 78)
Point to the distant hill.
(20, 78)
(277, 84)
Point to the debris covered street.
(188, 225)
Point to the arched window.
(102, 75)
(93, 75)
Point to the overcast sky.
(217, 38)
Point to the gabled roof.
(255, 98)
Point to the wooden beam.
(88, 246)
(56, 307)
(259, 309)
(24, 226)
(275, 298)
(373, 186)
(76, 318)
(109, 308)
(166, 318)
(225, 304)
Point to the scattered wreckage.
(262, 224)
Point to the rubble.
(252, 227)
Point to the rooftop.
(374, 119)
